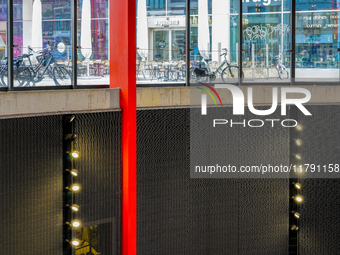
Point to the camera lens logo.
(204, 97)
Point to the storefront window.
(176, 7)
(40, 28)
(214, 41)
(161, 42)
(155, 7)
(93, 38)
(3, 44)
(307, 5)
(317, 44)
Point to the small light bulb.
(294, 227)
(297, 215)
(297, 185)
(75, 208)
(298, 156)
(298, 127)
(75, 187)
(75, 154)
(75, 224)
(298, 142)
(299, 169)
(298, 199)
(74, 172)
(75, 242)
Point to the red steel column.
(123, 75)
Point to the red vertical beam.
(123, 75)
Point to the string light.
(297, 215)
(298, 127)
(298, 156)
(75, 187)
(74, 172)
(75, 154)
(298, 142)
(75, 242)
(298, 199)
(297, 185)
(75, 224)
(74, 207)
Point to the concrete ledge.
(262, 95)
(23, 103)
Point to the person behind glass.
(324, 53)
(305, 55)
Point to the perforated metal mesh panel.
(31, 185)
(31, 182)
(179, 215)
(320, 223)
(98, 144)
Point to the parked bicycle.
(30, 74)
(228, 73)
(281, 69)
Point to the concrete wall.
(21, 103)
(13, 104)
(262, 95)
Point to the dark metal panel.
(180, 215)
(319, 224)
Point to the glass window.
(317, 44)
(42, 43)
(266, 47)
(3, 44)
(93, 38)
(161, 41)
(96, 239)
(307, 5)
(214, 41)
(176, 7)
(155, 7)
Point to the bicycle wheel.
(193, 77)
(230, 74)
(284, 74)
(61, 76)
(22, 77)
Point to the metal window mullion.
(240, 50)
(74, 46)
(10, 42)
(187, 56)
(293, 26)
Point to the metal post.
(293, 206)
(219, 52)
(74, 41)
(240, 50)
(68, 198)
(267, 59)
(187, 55)
(237, 58)
(10, 43)
(292, 50)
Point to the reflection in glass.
(266, 45)
(317, 43)
(40, 28)
(3, 43)
(161, 41)
(96, 239)
(156, 7)
(93, 38)
(214, 40)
